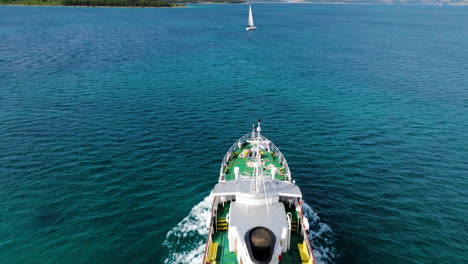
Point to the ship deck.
(242, 160)
(223, 254)
(220, 236)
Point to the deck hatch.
(260, 242)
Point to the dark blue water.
(114, 121)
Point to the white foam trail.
(186, 241)
(321, 236)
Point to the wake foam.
(321, 237)
(186, 241)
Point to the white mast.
(253, 132)
(258, 167)
(257, 182)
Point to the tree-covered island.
(116, 3)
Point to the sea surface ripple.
(114, 121)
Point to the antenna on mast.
(258, 167)
(259, 128)
(253, 132)
(258, 182)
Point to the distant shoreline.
(178, 6)
(94, 3)
(184, 5)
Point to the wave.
(186, 241)
(321, 237)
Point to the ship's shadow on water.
(185, 243)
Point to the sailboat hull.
(251, 28)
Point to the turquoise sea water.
(114, 121)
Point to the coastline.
(185, 5)
(175, 6)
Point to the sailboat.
(250, 25)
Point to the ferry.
(256, 215)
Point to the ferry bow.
(256, 215)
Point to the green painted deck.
(292, 256)
(224, 256)
(241, 162)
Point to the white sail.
(250, 26)
(251, 22)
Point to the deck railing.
(305, 234)
(210, 230)
(242, 140)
